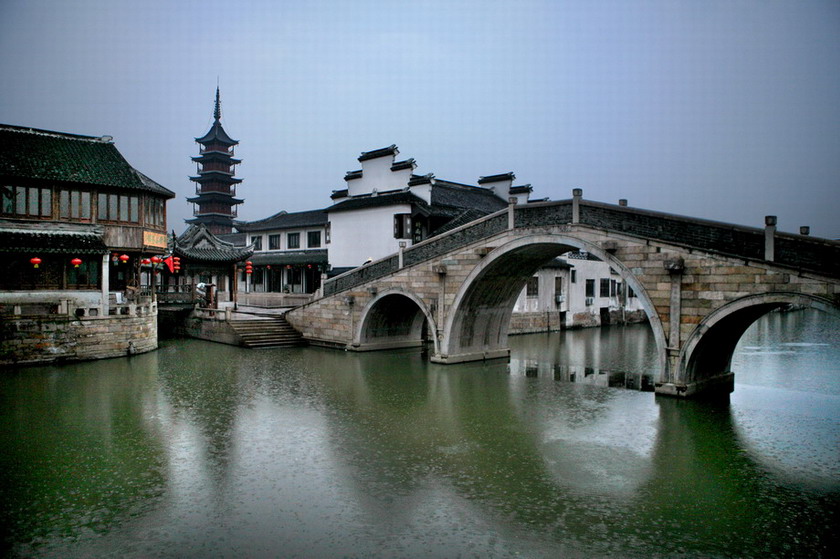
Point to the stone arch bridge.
(702, 283)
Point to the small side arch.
(707, 352)
(394, 318)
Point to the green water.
(206, 450)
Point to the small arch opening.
(393, 320)
(709, 350)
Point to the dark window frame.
(532, 289)
(310, 235)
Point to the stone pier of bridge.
(701, 284)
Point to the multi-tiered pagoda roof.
(215, 201)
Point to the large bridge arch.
(707, 352)
(477, 323)
(394, 318)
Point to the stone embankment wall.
(204, 324)
(532, 322)
(50, 338)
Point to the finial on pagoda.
(217, 113)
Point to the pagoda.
(215, 201)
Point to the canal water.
(206, 450)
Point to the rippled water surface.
(206, 450)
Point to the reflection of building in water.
(582, 375)
(575, 291)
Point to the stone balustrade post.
(769, 237)
(105, 275)
(675, 268)
(577, 194)
(400, 255)
(511, 217)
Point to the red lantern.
(145, 262)
(248, 269)
(76, 262)
(156, 259)
(124, 258)
(177, 263)
(35, 261)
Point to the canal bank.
(62, 327)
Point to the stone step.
(266, 332)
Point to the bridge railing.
(795, 251)
(175, 294)
(421, 252)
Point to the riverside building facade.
(76, 220)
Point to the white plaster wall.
(362, 234)
(575, 293)
(544, 301)
(377, 175)
(500, 189)
(423, 191)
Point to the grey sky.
(723, 110)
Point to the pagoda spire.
(217, 112)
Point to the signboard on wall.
(154, 239)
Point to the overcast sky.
(725, 110)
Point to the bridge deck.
(797, 252)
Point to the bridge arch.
(707, 352)
(394, 318)
(477, 323)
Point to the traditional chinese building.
(214, 205)
(207, 259)
(76, 219)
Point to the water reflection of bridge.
(701, 283)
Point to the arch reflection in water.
(615, 356)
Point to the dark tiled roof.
(286, 257)
(339, 270)
(55, 156)
(216, 156)
(466, 216)
(381, 152)
(497, 178)
(204, 196)
(286, 220)
(522, 189)
(400, 165)
(466, 197)
(217, 134)
(218, 176)
(361, 202)
(51, 238)
(352, 175)
(557, 264)
(416, 180)
(236, 239)
(339, 194)
(199, 244)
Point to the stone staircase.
(265, 331)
